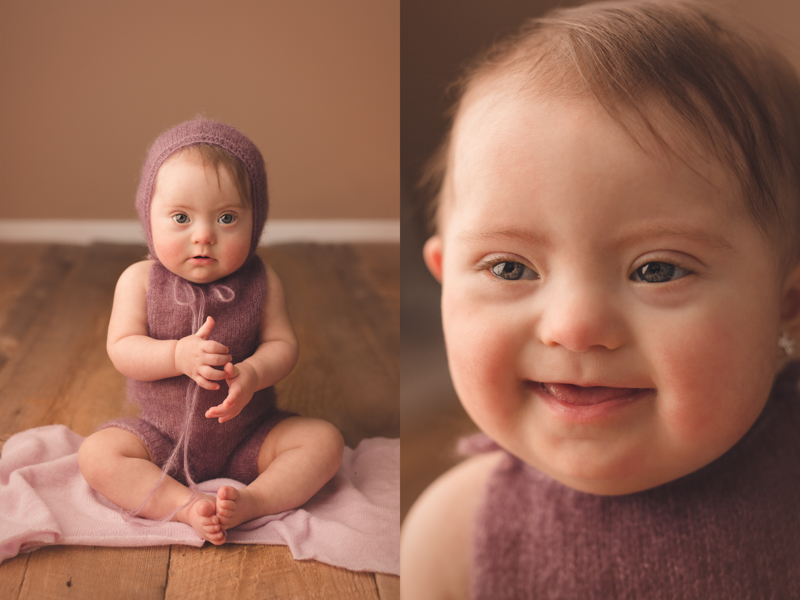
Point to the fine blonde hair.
(729, 88)
(218, 157)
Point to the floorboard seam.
(24, 575)
(377, 587)
(166, 579)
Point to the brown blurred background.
(86, 85)
(437, 38)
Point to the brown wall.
(86, 85)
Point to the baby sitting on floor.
(201, 311)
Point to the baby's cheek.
(166, 247)
(707, 383)
(482, 356)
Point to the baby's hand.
(196, 355)
(242, 383)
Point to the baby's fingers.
(217, 411)
(206, 328)
(215, 360)
(205, 383)
(211, 373)
(210, 347)
(227, 410)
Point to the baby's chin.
(603, 470)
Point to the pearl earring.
(786, 343)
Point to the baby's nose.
(581, 319)
(203, 234)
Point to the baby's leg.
(116, 464)
(298, 456)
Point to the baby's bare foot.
(237, 506)
(201, 515)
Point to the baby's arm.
(273, 360)
(436, 541)
(138, 356)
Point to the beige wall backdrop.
(86, 85)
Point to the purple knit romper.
(215, 450)
(728, 531)
(174, 309)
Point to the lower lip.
(201, 261)
(588, 404)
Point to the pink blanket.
(353, 522)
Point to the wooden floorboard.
(55, 303)
(96, 573)
(350, 375)
(388, 586)
(248, 571)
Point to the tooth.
(552, 390)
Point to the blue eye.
(227, 219)
(181, 218)
(512, 271)
(658, 272)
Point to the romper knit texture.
(730, 530)
(215, 449)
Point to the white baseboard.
(124, 231)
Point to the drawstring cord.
(198, 308)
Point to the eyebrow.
(532, 238)
(181, 205)
(694, 234)
(523, 235)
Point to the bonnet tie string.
(197, 304)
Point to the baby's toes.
(217, 538)
(225, 505)
(206, 509)
(212, 526)
(227, 492)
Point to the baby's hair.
(640, 60)
(216, 156)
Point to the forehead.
(185, 173)
(507, 144)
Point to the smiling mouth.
(576, 395)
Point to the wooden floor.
(55, 303)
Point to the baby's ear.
(432, 253)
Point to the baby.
(616, 235)
(202, 332)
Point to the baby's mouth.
(577, 395)
(201, 259)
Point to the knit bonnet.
(204, 131)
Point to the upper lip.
(590, 384)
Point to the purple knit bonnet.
(204, 131)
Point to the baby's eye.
(181, 218)
(227, 219)
(659, 272)
(512, 271)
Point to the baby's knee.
(93, 457)
(331, 442)
(329, 436)
(100, 453)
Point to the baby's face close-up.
(610, 310)
(201, 228)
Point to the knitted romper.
(215, 450)
(728, 531)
